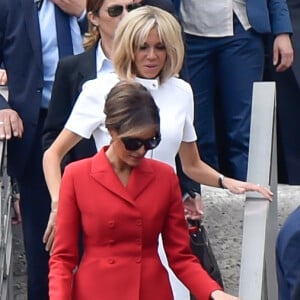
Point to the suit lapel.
(33, 29)
(140, 178)
(103, 173)
(87, 66)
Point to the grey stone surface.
(19, 264)
(224, 222)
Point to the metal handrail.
(5, 226)
(258, 268)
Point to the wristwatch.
(220, 180)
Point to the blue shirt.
(49, 46)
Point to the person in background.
(288, 103)
(147, 48)
(225, 56)
(99, 195)
(288, 256)
(29, 51)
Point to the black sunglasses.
(133, 144)
(117, 10)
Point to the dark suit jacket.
(72, 72)
(294, 8)
(296, 292)
(265, 16)
(288, 255)
(20, 53)
(288, 104)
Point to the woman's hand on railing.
(240, 187)
(220, 295)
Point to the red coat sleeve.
(65, 254)
(177, 246)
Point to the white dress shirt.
(103, 64)
(212, 18)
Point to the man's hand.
(71, 7)
(10, 124)
(283, 54)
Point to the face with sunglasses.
(130, 149)
(118, 9)
(108, 16)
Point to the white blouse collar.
(150, 84)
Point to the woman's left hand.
(240, 187)
(193, 207)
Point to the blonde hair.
(132, 33)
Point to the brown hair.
(92, 36)
(129, 107)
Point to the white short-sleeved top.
(174, 99)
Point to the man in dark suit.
(288, 255)
(29, 53)
(288, 105)
(225, 55)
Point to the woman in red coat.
(121, 202)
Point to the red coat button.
(111, 224)
(138, 260)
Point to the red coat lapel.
(141, 176)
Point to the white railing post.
(258, 269)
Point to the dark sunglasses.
(117, 10)
(133, 144)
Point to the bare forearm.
(52, 172)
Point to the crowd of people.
(116, 105)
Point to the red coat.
(120, 234)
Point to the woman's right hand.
(241, 187)
(48, 237)
(52, 159)
(220, 295)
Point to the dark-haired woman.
(109, 198)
